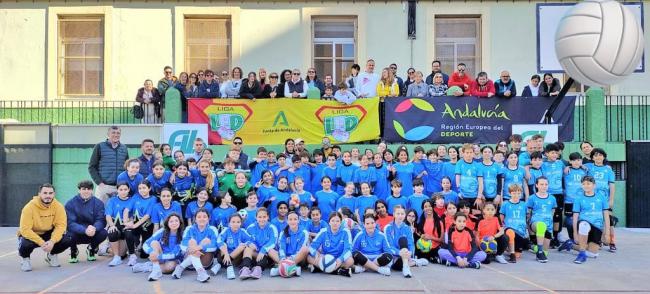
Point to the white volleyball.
(599, 43)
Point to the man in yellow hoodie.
(43, 224)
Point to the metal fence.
(627, 118)
(75, 112)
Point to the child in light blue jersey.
(553, 170)
(467, 175)
(164, 247)
(572, 188)
(513, 217)
(604, 176)
(541, 207)
(235, 239)
(200, 243)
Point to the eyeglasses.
(411, 72)
(237, 143)
(393, 67)
(274, 77)
(210, 76)
(311, 71)
(201, 74)
(505, 76)
(503, 145)
(296, 73)
(461, 70)
(223, 74)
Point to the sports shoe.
(117, 260)
(52, 260)
(155, 276)
(142, 267)
(91, 254)
(74, 255)
(475, 264)
(591, 254)
(612, 248)
(359, 269)
(244, 273)
(500, 259)
(406, 272)
(346, 272)
(541, 257)
(447, 263)
(513, 258)
(274, 272)
(73, 259)
(202, 275)
(178, 272)
(103, 249)
(298, 271)
(314, 269)
(555, 243)
(384, 270)
(533, 249)
(230, 273)
(567, 245)
(26, 265)
(256, 273)
(421, 262)
(215, 268)
(132, 260)
(581, 258)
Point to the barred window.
(207, 44)
(80, 56)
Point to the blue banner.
(470, 119)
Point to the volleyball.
(287, 268)
(599, 42)
(423, 245)
(243, 213)
(488, 246)
(328, 263)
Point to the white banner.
(549, 132)
(182, 136)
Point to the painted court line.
(7, 240)
(520, 279)
(156, 288)
(68, 279)
(9, 254)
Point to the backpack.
(138, 111)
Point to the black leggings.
(521, 243)
(124, 234)
(26, 247)
(140, 235)
(383, 260)
(266, 262)
(502, 244)
(403, 243)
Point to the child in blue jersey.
(161, 210)
(117, 213)
(182, 184)
(347, 200)
(280, 221)
(164, 247)
(251, 209)
(450, 195)
(205, 178)
(292, 244)
(382, 176)
(572, 188)
(260, 252)
(415, 200)
(441, 153)
(590, 220)
(159, 178)
(200, 243)
(303, 212)
(326, 198)
(315, 223)
(541, 207)
(131, 175)
(139, 221)
(283, 193)
(281, 168)
(235, 239)
(404, 171)
(488, 172)
(364, 174)
(604, 176)
(499, 157)
(300, 169)
(434, 175)
(418, 163)
(396, 197)
(335, 241)
(317, 171)
(534, 171)
(512, 174)
(389, 158)
(399, 235)
(222, 212)
(345, 171)
(300, 195)
(449, 167)
(467, 175)
(264, 187)
(513, 217)
(258, 165)
(202, 201)
(366, 200)
(330, 170)
(371, 250)
(553, 170)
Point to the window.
(334, 46)
(207, 44)
(80, 56)
(457, 39)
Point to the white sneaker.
(591, 254)
(215, 268)
(52, 260)
(359, 269)
(117, 260)
(500, 259)
(103, 249)
(132, 260)
(178, 272)
(26, 265)
(406, 272)
(421, 262)
(274, 272)
(155, 276)
(202, 275)
(142, 267)
(298, 271)
(230, 273)
(384, 270)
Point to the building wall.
(142, 37)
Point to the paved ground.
(625, 271)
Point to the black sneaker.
(344, 272)
(475, 264)
(91, 253)
(513, 258)
(555, 243)
(541, 257)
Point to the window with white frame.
(207, 44)
(334, 46)
(458, 39)
(80, 56)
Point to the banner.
(182, 136)
(272, 121)
(549, 132)
(469, 119)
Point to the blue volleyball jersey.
(158, 183)
(364, 176)
(280, 196)
(289, 244)
(542, 210)
(535, 173)
(256, 172)
(326, 201)
(201, 182)
(573, 184)
(392, 201)
(415, 203)
(250, 217)
(346, 174)
(345, 201)
(305, 197)
(515, 217)
(279, 224)
(603, 174)
(331, 173)
(132, 182)
(159, 213)
(450, 197)
(512, 176)
(524, 159)
(449, 170)
(305, 173)
(264, 193)
(171, 250)
(382, 186)
(433, 179)
(371, 245)
(554, 172)
(394, 232)
(468, 178)
(232, 239)
(364, 202)
(489, 174)
(312, 227)
(591, 208)
(405, 173)
(115, 208)
(264, 238)
(183, 186)
(193, 207)
(337, 244)
(193, 232)
(316, 176)
(219, 215)
(142, 206)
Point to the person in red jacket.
(461, 79)
(482, 87)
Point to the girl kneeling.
(292, 243)
(200, 241)
(371, 249)
(335, 241)
(164, 247)
(262, 247)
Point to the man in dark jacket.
(146, 159)
(436, 67)
(505, 86)
(86, 222)
(209, 88)
(107, 162)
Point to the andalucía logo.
(227, 118)
(340, 121)
(416, 133)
